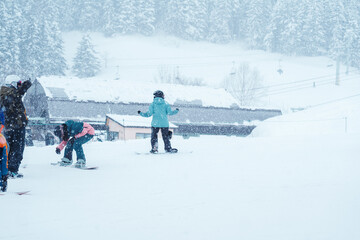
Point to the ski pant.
(165, 137)
(77, 146)
(16, 141)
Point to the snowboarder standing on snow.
(3, 156)
(159, 109)
(73, 135)
(15, 120)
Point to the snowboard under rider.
(73, 135)
(159, 109)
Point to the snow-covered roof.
(91, 89)
(59, 98)
(134, 121)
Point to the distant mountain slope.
(288, 82)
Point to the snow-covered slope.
(304, 81)
(339, 117)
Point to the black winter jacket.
(11, 101)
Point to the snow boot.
(154, 148)
(14, 175)
(65, 162)
(171, 150)
(80, 163)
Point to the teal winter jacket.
(159, 109)
(74, 128)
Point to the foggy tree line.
(30, 30)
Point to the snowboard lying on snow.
(17, 193)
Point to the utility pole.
(337, 80)
(117, 76)
(347, 60)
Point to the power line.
(335, 100)
(299, 81)
(301, 87)
(188, 57)
(308, 120)
(297, 85)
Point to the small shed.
(126, 127)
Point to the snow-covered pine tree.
(86, 63)
(160, 14)
(196, 24)
(352, 34)
(31, 45)
(313, 40)
(109, 18)
(69, 10)
(293, 22)
(57, 60)
(219, 31)
(13, 21)
(49, 60)
(257, 19)
(145, 17)
(283, 31)
(237, 10)
(338, 20)
(90, 15)
(126, 17)
(5, 54)
(175, 17)
(57, 63)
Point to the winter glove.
(27, 84)
(57, 150)
(72, 140)
(23, 87)
(139, 112)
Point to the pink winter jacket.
(87, 129)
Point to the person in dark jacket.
(73, 135)
(15, 120)
(3, 156)
(159, 109)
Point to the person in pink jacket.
(72, 136)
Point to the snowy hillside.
(340, 117)
(305, 81)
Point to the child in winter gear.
(3, 157)
(11, 95)
(73, 135)
(159, 109)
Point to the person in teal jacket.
(73, 135)
(159, 109)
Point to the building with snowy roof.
(203, 110)
(127, 127)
